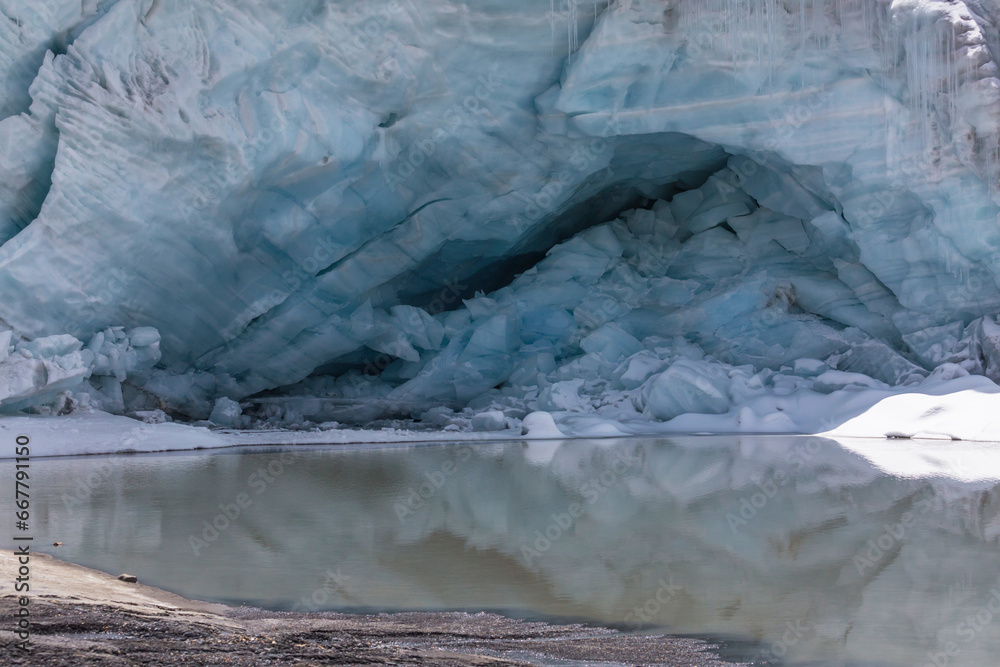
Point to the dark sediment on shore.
(84, 617)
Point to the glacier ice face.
(294, 194)
(28, 38)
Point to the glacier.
(700, 215)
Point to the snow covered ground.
(940, 431)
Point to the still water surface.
(798, 547)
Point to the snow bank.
(959, 411)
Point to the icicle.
(572, 29)
(576, 25)
(552, 27)
(569, 31)
(732, 22)
(802, 43)
(772, 36)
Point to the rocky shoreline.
(81, 616)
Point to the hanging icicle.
(552, 27)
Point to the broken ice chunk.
(439, 416)
(830, 381)
(480, 374)
(529, 371)
(935, 345)
(105, 394)
(832, 225)
(709, 257)
(611, 343)
(876, 359)
(151, 416)
(5, 346)
(25, 382)
(143, 337)
(763, 226)
(481, 307)
(188, 393)
(227, 412)
(562, 396)
(587, 367)
(777, 189)
(395, 344)
(546, 323)
(603, 238)
(50, 346)
(642, 223)
(497, 335)
(576, 259)
(703, 221)
(687, 387)
(684, 204)
(984, 346)
(491, 420)
(638, 368)
(119, 354)
(809, 367)
(423, 330)
(453, 322)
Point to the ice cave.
(627, 215)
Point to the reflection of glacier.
(738, 536)
(303, 191)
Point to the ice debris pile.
(708, 304)
(295, 193)
(59, 373)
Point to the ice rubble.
(618, 324)
(295, 194)
(60, 371)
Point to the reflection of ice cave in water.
(737, 289)
(878, 556)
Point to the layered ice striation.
(636, 210)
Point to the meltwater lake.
(793, 550)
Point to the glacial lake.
(798, 550)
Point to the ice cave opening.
(684, 279)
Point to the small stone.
(128, 578)
(57, 544)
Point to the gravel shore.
(81, 616)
